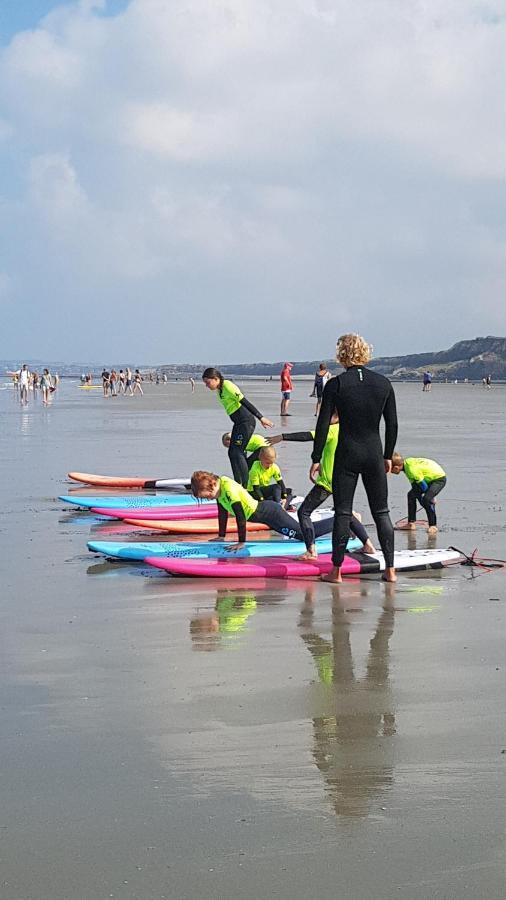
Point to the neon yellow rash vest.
(327, 461)
(260, 477)
(417, 469)
(255, 442)
(231, 492)
(230, 397)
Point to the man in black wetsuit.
(361, 398)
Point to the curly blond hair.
(353, 350)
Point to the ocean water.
(164, 738)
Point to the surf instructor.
(361, 399)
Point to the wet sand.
(172, 739)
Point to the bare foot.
(309, 554)
(368, 547)
(333, 577)
(410, 526)
(432, 529)
(389, 575)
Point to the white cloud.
(286, 152)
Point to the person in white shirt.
(24, 383)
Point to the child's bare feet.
(309, 554)
(432, 529)
(368, 547)
(333, 577)
(389, 575)
(409, 526)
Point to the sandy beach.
(169, 738)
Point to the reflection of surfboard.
(117, 481)
(205, 550)
(90, 387)
(210, 526)
(136, 502)
(353, 564)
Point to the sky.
(245, 180)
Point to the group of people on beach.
(25, 381)
(346, 444)
(122, 382)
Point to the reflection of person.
(427, 479)
(352, 731)
(286, 387)
(243, 415)
(360, 397)
(228, 619)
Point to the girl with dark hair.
(243, 415)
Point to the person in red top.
(286, 387)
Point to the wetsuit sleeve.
(390, 417)
(252, 409)
(222, 520)
(326, 411)
(256, 492)
(298, 436)
(284, 492)
(241, 522)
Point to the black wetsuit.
(360, 397)
(243, 428)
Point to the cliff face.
(473, 359)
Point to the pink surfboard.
(165, 514)
(288, 567)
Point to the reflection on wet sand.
(353, 731)
(229, 618)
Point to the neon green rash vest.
(258, 476)
(231, 492)
(417, 469)
(327, 461)
(230, 397)
(255, 442)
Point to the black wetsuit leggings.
(239, 438)
(272, 514)
(426, 500)
(344, 483)
(317, 495)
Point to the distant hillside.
(471, 359)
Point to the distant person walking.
(46, 384)
(320, 380)
(192, 382)
(138, 382)
(128, 382)
(427, 381)
(24, 383)
(106, 376)
(286, 387)
(121, 382)
(112, 382)
(361, 398)
(488, 381)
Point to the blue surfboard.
(140, 550)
